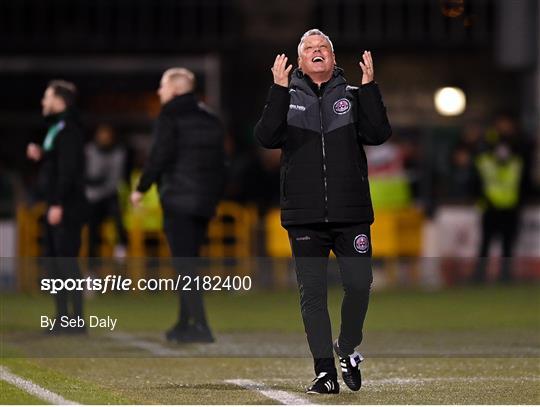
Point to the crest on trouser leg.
(361, 243)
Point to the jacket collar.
(304, 82)
(71, 115)
(180, 104)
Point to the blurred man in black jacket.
(321, 123)
(62, 181)
(187, 163)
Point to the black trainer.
(176, 331)
(56, 330)
(324, 384)
(196, 333)
(350, 370)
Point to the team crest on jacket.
(342, 106)
(361, 243)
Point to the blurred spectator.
(237, 163)
(472, 138)
(261, 179)
(253, 177)
(389, 183)
(506, 129)
(500, 171)
(461, 181)
(105, 163)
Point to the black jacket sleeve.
(69, 144)
(374, 127)
(162, 153)
(271, 129)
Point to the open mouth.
(317, 59)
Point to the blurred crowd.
(415, 167)
(502, 137)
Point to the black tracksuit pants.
(311, 245)
(62, 244)
(503, 223)
(98, 213)
(185, 235)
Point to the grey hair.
(314, 31)
(181, 73)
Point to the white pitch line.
(399, 381)
(32, 388)
(279, 395)
(152, 347)
(424, 380)
(159, 350)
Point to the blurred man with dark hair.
(105, 165)
(187, 163)
(62, 177)
(321, 123)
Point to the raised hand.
(281, 71)
(368, 72)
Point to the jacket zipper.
(324, 163)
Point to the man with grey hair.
(187, 161)
(311, 32)
(320, 123)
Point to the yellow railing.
(394, 233)
(397, 233)
(230, 233)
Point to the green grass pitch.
(473, 345)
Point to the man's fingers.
(369, 60)
(283, 67)
(276, 60)
(275, 64)
(365, 57)
(367, 64)
(279, 65)
(363, 67)
(280, 70)
(282, 62)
